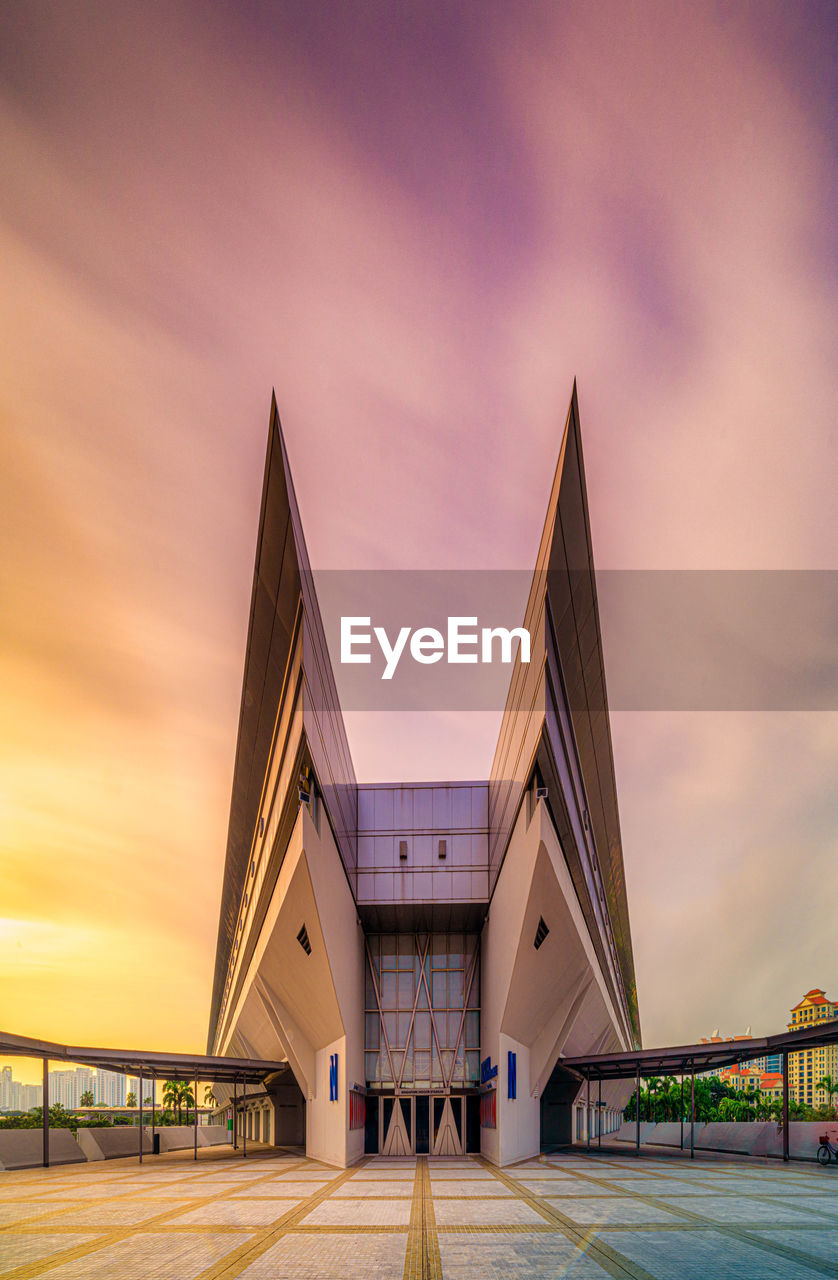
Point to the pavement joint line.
(611, 1261)
(744, 1234)
(414, 1249)
(109, 1236)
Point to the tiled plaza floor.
(279, 1216)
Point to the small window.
(443, 849)
(402, 851)
(540, 933)
(302, 938)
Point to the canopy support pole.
(599, 1117)
(785, 1105)
(45, 1109)
(588, 1113)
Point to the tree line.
(662, 1099)
(178, 1097)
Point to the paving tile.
(150, 1257)
(277, 1187)
(115, 1215)
(360, 1213)
(331, 1257)
(736, 1208)
(19, 1211)
(545, 1256)
(447, 1188)
(572, 1190)
(623, 1211)
(375, 1187)
(703, 1255)
(485, 1213)
(819, 1243)
(33, 1247)
(236, 1213)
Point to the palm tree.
(829, 1085)
(188, 1097)
(209, 1097)
(671, 1097)
(131, 1100)
(178, 1094)
(653, 1086)
(86, 1099)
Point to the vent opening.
(302, 938)
(443, 848)
(402, 851)
(540, 933)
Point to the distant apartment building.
(809, 1066)
(751, 1078)
(716, 1038)
(66, 1087)
(15, 1096)
(110, 1090)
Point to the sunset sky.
(419, 222)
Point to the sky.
(418, 222)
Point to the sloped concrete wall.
(24, 1148)
(668, 1133)
(178, 1137)
(762, 1138)
(627, 1131)
(111, 1144)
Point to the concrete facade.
(422, 956)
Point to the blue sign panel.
(487, 1071)
(512, 1075)
(333, 1078)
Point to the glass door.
(423, 1124)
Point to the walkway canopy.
(684, 1059)
(136, 1062)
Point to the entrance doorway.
(424, 1124)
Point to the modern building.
(810, 1066)
(423, 956)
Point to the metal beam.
(196, 1118)
(692, 1113)
(637, 1114)
(140, 1125)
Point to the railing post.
(637, 1113)
(140, 1125)
(692, 1111)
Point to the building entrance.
(422, 1124)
